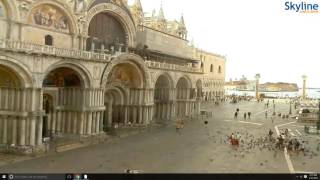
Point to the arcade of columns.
(47, 91)
(29, 113)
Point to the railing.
(85, 55)
(51, 50)
(174, 67)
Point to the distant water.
(311, 93)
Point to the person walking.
(249, 115)
(236, 115)
(266, 114)
(270, 134)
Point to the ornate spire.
(161, 14)
(182, 21)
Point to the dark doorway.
(48, 40)
(47, 107)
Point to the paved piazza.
(198, 148)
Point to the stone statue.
(80, 5)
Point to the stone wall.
(37, 35)
(166, 43)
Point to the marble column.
(63, 121)
(168, 111)
(53, 122)
(33, 131)
(101, 121)
(109, 124)
(69, 122)
(81, 124)
(89, 123)
(94, 123)
(75, 122)
(304, 85)
(145, 115)
(39, 130)
(125, 114)
(14, 130)
(1, 124)
(22, 132)
(6, 98)
(140, 115)
(5, 129)
(134, 109)
(98, 122)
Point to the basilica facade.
(79, 67)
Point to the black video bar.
(132, 175)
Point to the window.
(48, 40)
(201, 64)
(211, 68)
(219, 70)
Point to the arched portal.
(125, 81)
(183, 90)
(106, 34)
(63, 87)
(162, 99)
(15, 106)
(116, 112)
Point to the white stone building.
(79, 67)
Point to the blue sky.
(256, 36)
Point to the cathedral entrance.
(123, 96)
(162, 99)
(183, 95)
(114, 113)
(62, 99)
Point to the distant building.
(249, 85)
(280, 86)
(242, 85)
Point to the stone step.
(69, 147)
